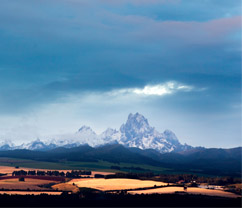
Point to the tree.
(21, 179)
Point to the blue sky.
(66, 63)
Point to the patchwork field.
(170, 190)
(115, 184)
(34, 184)
(238, 185)
(28, 184)
(65, 187)
(30, 192)
(8, 170)
(51, 187)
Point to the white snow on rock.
(136, 132)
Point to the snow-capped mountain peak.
(136, 124)
(136, 132)
(137, 120)
(86, 129)
(6, 145)
(110, 135)
(168, 134)
(34, 145)
(109, 132)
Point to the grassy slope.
(97, 166)
(93, 166)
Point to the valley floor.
(111, 191)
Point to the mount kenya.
(136, 132)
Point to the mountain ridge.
(226, 162)
(136, 132)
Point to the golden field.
(115, 184)
(190, 190)
(27, 186)
(8, 170)
(65, 187)
(29, 183)
(30, 192)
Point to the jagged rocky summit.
(136, 132)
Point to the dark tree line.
(77, 173)
(199, 179)
(174, 178)
(131, 175)
(72, 174)
(117, 200)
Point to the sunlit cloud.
(156, 90)
(67, 63)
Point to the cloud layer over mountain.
(64, 63)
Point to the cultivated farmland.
(28, 184)
(190, 190)
(65, 187)
(30, 192)
(115, 184)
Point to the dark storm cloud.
(52, 49)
